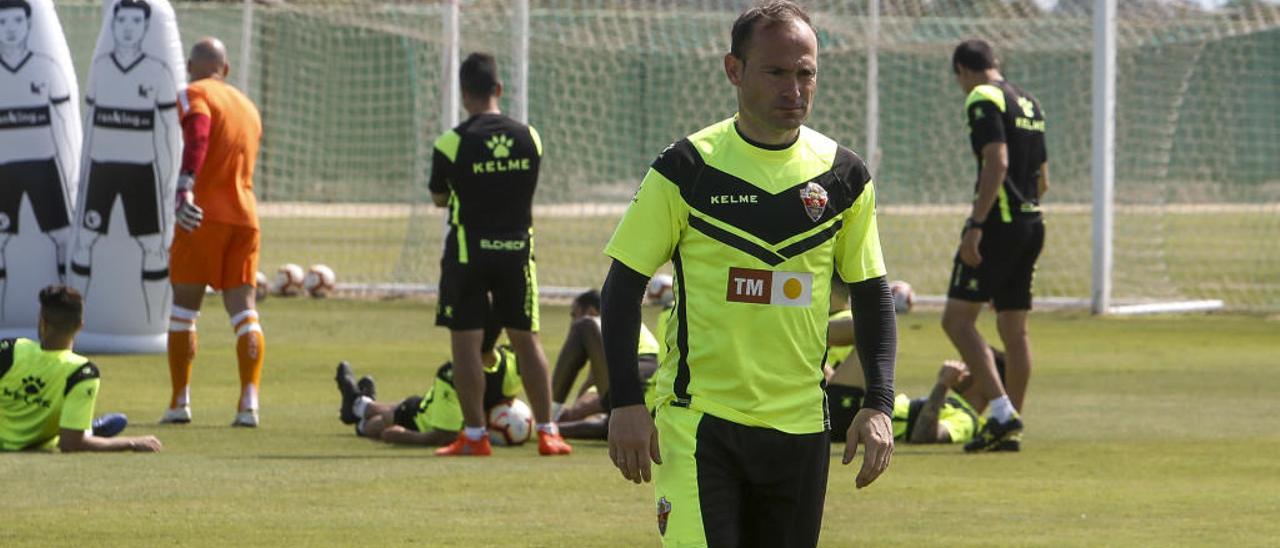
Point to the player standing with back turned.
(755, 213)
(485, 171)
(217, 240)
(1002, 237)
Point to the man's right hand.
(633, 442)
(951, 372)
(144, 444)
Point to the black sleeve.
(985, 124)
(875, 333)
(440, 164)
(83, 373)
(620, 325)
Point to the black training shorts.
(1009, 253)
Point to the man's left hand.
(875, 430)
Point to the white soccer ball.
(261, 287)
(904, 298)
(510, 423)
(319, 281)
(289, 279)
(660, 290)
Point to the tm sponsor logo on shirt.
(749, 285)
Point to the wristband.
(972, 223)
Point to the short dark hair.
(479, 75)
(61, 307)
(135, 4)
(588, 299)
(19, 4)
(767, 14)
(974, 54)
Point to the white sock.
(361, 405)
(556, 409)
(473, 433)
(549, 427)
(1001, 409)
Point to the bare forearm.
(989, 181)
(1042, 186)
(408, 437)
(926, 429)
(97, 445)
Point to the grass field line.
(297, 210)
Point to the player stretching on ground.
(1002, 237)
(216, 243)
(434, 418)
(47, 392)
(485, 171)
(755, 213)
(132, 114)
(34, 129)
(586, 417)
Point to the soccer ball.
(289, 280)
(510, 423)
(660, 290)
(261, 287)
(319, 281)
(903, 296)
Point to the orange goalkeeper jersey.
(224, 184)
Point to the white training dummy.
(133, 143)
(39, 158)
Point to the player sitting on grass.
(435, 418)
(586, 417)
(47, 392)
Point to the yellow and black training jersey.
(440, 408)
(489, 166)
(753, 234)
(1001, 112)
(837, 354)
(956, 415)
(42, 392)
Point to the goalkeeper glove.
(189, 215)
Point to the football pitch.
(1141, 431)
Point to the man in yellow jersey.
(47, 392)
(1002, 237)
(755, 213)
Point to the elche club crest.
(814, 198)
(664, 512)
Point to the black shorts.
(725, 484)
(406, 411)
(135, 184)
(42, 183)
(1009, 253)
(488, 273)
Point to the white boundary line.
(296, 210)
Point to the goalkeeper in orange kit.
(217, 240)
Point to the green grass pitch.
(1141, 431)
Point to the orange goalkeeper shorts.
(219, 255)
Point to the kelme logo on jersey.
(29, 394)
(814, 198)
(749, 285)
(499, 145)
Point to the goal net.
(351, 96)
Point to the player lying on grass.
(433, 419)
(945, 416)
(47, 392)
(586, 418)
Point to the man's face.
(14, 27)
(129, 26)
(777, 79)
